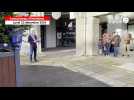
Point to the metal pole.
(17, 62)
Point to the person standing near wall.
(112, 43)
(104, 41)
(110, 37)
(100, 47)
(116, 43)
(107, 42)
(32, 39)
(126, 44)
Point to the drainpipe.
(85, 33)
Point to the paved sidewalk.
(56, 76)
(105, 69)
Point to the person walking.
(116, 43)
(32, 39)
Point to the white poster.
(72, 15)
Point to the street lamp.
(125, 20)
(56, 15)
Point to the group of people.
(108, 44)
(113, 43)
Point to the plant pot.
(4, 50)
(4, 47)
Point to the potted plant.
(5, 40)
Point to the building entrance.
(60, 33)
(65, 33)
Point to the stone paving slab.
(111, 75)
(127, 66)
(106, 79)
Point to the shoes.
(36, 60)
(31, 61)
(124, 55)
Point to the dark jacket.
(100, 45)
(31, 41)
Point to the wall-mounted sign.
(72, 15)
(56, 15)
(125, 20)
(27, 20)
(70, 24)
(59, 35)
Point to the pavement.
(64, 68)
(53, 76)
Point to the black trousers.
(33, 51)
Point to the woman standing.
(106, 43)
(126, 44)
(100, 47)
